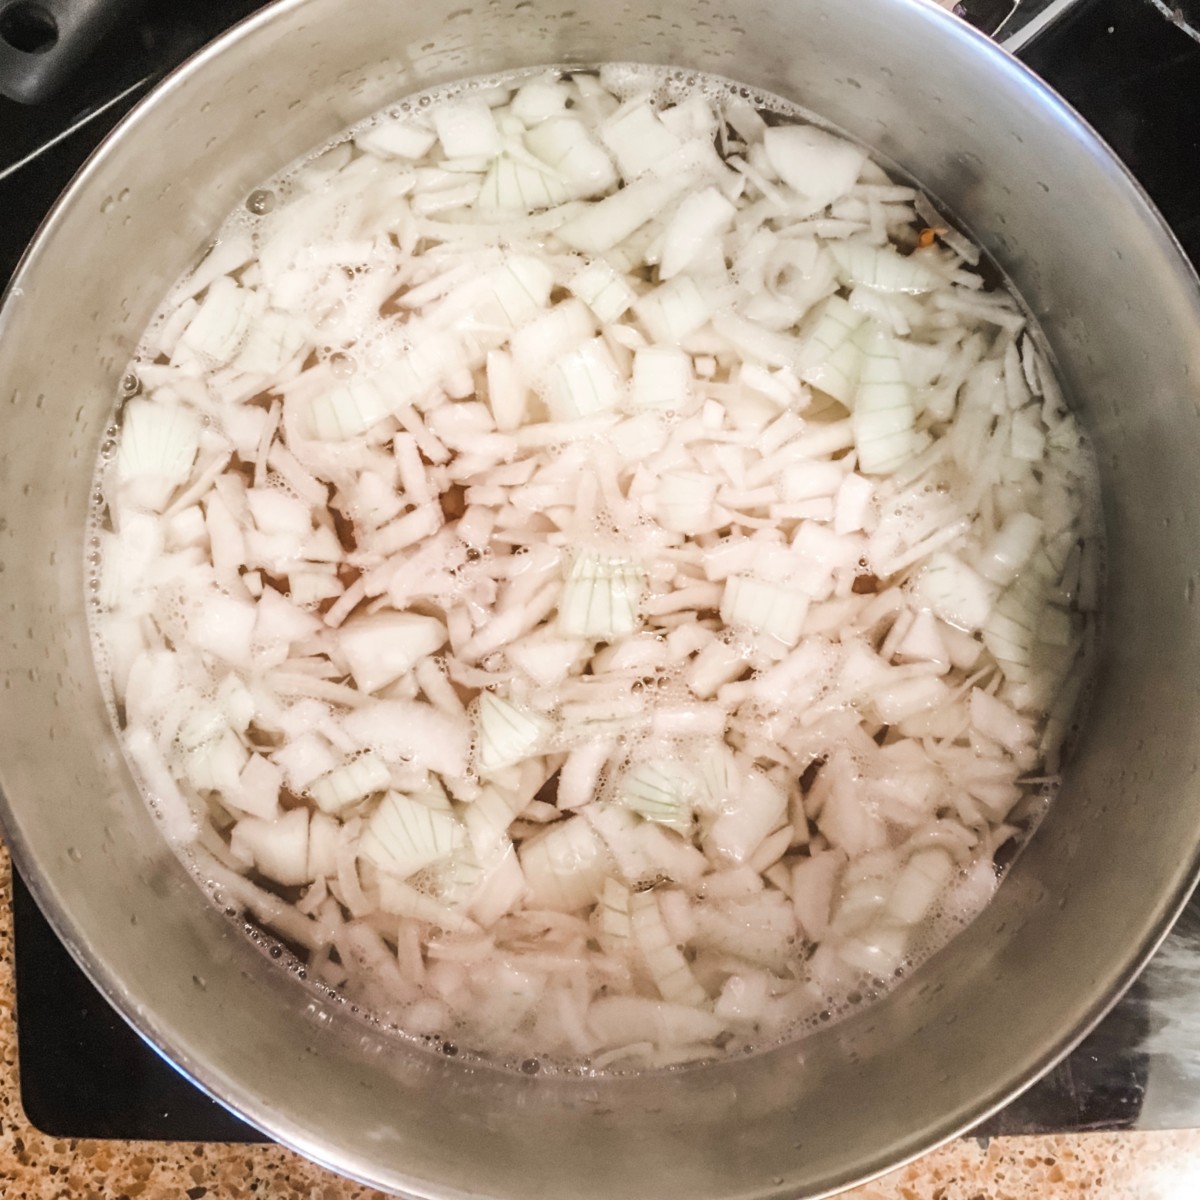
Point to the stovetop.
(84, 1073)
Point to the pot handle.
(1012, 24)
(43, 41)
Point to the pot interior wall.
(1082, 906)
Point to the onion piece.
(156, 452)
(565, 867)
(396, 138)
(605, 292)
(466, 128)
(278, 848)
(637, 138)
(883, 414)
(565, 144)
(582, 383)
(769, 608)
(675, 309)
(701, 217)
(383, 646)
(411, 732)
(507, 734)
(746, 817)
(601, 596)
(831, 359)
(662, 380)
(220, 324)
(668, 968)
(659, 791)
(881, 268)
(955, 593)
(609, 221)
(347, 785)
(513, 185)
(402, 835)
(816, 164)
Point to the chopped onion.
(817, 165)
(402, 835)
(565, 867)
(348, 784)
(659, 791)
(158, 447)
(955, 593)
(684, 501)
(583, 382)
(675, 309)
(662, 379)
(832, 359)
(605, 292)
(746, 817)
(881, 268)
(600, 598)
(393, 138)
(700, 217)
(565, 144)
(383, 646)
(506, 733)
(770, 608)
(466, 128)
(883, 411)
(611, 220)
(278, 848)
(668, 968)
(577, 543)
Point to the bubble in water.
(342, 365)
(260, 201)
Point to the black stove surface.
(84, 1073)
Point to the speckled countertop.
(35, 1166)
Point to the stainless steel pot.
(1081, 910)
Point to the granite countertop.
(36, 1166)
